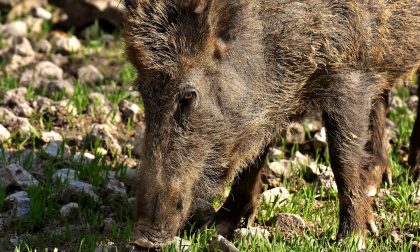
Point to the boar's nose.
(159, 218)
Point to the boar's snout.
(148, 236)
(161, 210)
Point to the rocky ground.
(71, 128)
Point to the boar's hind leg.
(242, 201)
(414, 158)
(377, 146)
(345, 100)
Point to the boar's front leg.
(345, 98)
(243, 199)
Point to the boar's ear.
(228, 18)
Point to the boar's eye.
(187, 98)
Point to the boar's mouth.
(145, 236)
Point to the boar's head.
(200, 74)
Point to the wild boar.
(219, 79)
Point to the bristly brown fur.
(219, 78)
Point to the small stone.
(44, 46)
(19, 203)
(44, 105)
(313, 120)
(66, 44)
(129, 110)
(279, 168)
(313, 170)
(275, 154)
(70, 210)
(288, 224)
(15, 176)
(14, 240)
(49, 136)
(6, 117)
(46, 70)
(413, 102)
(26, 77)
(75, 189)
(396, 102)
(23, 110)
(220, 243)
(83, 157)
(295, 134)
(250, 234)
(181, 244)
(4, 134)
(101, 151)
(313, 126)
(56, 148)
(113, 190)
(108, 224)
(14, 29)
(395, 237)
(277, 196)
(56, 110)
(64, 175)
(300, 159)
(34, 24)
(15, 96)
(14, 123)
(105, 113)
(60, 86)
(66, 106)
(326, 180)
(97, 98)
(21, 54)
(22, 46)
(59, 59)
(89, 74)
(101, 133)
(23, 126)
(41, 13)
(320, 140)
(275, 172)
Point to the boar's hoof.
(225, 228)
(373, 228)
